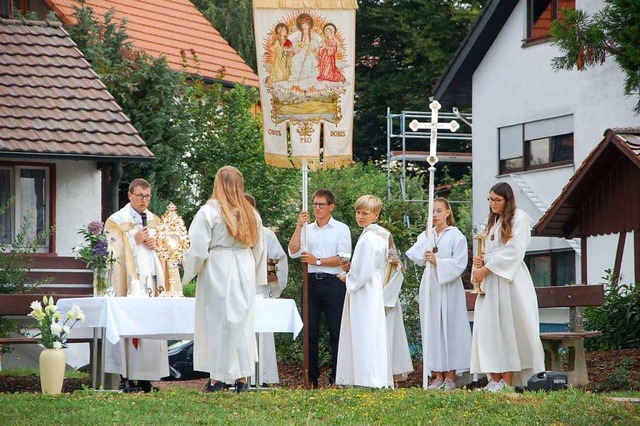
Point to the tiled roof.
(167, 27)
(53, 104)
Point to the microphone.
(143, 215)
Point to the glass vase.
(100, 282)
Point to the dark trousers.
(326, 294)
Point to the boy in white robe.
(363, 353)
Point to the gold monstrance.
(172, 241)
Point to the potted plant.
(53, 338)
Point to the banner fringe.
(277, 160)
(336, 162)
(312, 162)
(306, 4)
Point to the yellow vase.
(52, 365)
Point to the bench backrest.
(560, 296)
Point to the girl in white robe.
(227, 254)
(506, 343)
(363, 358)
(446, 333)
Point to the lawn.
(319, 407)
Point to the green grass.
(323, 407)
(70, 374)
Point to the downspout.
(116, 175)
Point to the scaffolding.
(399, 136)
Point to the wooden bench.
(67, 277)
(573, 297)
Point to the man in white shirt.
(326, 237)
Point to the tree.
(234, 20)
(403, 47)
(147, 90)
(587, 41)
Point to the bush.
(618, 318)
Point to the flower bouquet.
(97, 252)
(52, 333)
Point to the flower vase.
(52, 365)
(100, 282)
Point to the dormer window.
(540, 15)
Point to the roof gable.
(603, 195)
(167, 28)
(454, 87)
(53, 104)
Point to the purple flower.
(101, 248)
(95, 227)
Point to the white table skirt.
(170, 318)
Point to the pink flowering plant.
(53, 330)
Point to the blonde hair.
(238, 214)
(451, 221)
(369, 203)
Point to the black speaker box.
(548, 381)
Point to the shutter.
(547, 128)
(510, 142)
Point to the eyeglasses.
(495, 200)
(143, 196)
(320, 205)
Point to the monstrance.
(172, 241)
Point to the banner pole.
(305, 281)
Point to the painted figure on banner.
(281, 49)
(304, 63)
(327, 69)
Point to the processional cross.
(432, 159)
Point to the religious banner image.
(306, 70)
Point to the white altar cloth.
(169, 318)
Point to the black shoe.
(314, 384)
(241, 387)
(216, 387)
(147, 387)
(128, 386)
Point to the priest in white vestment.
(228, 256)
(446, 333)
(132, 234)
(363, 353)
(506, 343)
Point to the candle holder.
(480, 233)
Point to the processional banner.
(306, 66)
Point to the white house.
(533, 126)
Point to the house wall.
(516, 84)
(78, 202)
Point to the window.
(541, 13)
(552, 268)
(28, 186)
(536, 145)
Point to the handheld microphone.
(143, 215)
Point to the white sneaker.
(489, 386)
(436, 384)
(502, 386)
(449, 385)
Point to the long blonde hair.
(238, 214)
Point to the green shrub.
(618, 318)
